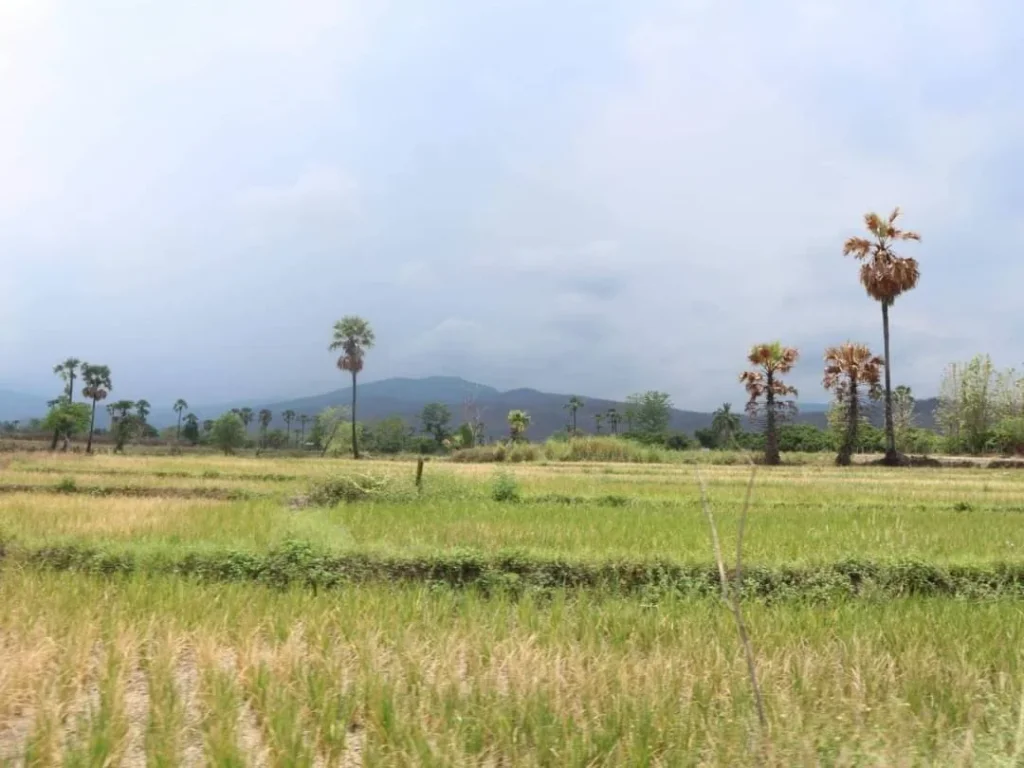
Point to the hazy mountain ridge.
(405, 397)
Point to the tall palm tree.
(725, 425)
(192, 424)
(96, 379)
(885, 276)
(265, 417)
(303, 421)
(142, 408)
(289, 417)
(598, 418)
(574, 404)
(245, 414)
(67, 372)
(180, 406)
(354, 336)
(614, 418)
(849, 367)
(518, 423)
(765, 383)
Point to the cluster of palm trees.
(265, 416)
(612, 415)
(851, 370)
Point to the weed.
(505, 487)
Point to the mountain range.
(405, 397)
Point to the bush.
(1009, 436)
(505, 487)
(678, 441)
(351, 488)
(67, 485)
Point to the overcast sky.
(574, 196)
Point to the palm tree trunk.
(56, 437)
(892, 458)
(355, 439)
(178, 438)
(845, 456)
(92, 423)
(771, 439)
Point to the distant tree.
(354, 336)
(67, 419)
(850, 367)
(885, 276)
(180, 406)
(207, 425)
(650, 414)
(804, 438)
(191, 430)
(303, 421)
(614, 419)
(67, 372)
(325, 427)
(228, 432)
(246, 415)
(388, 435)
(767, 391)
(264, 419)
(142, 409)
(96, 379)
(598, 418)
(574, 404)
(518, 423)
(903, 419)
(973, 398)
(435, 418)
(725, 425)
(289, 417)
(706, 437)
(123, 423)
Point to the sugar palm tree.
(725, 425)
(142, 408)
(289, 417)
(245, 414)
(766, 389)
(518, 423)
(96, 379)
(598, 418)
(885, 276)
(574, 404)
(303, 421)
(192, 425)
(354, 336)
(180, 406)
(67, 372)
(265, 417)
(614, 418)
(848, 368)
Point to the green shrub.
(505, 487)
(67, 485)
(1009, 436)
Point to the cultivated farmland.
(206, 610)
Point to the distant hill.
(406, 397)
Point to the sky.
(585, 197)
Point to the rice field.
(154, 664)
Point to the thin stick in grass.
(732, 599)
